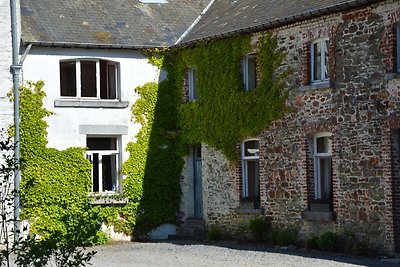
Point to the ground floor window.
(104, 154)
(323, 167)
(251, 172)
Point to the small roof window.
(153, 1)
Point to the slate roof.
(228, 17)
(106, 23)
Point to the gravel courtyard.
(195, 254)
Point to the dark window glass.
(68, 78)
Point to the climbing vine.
(224, 112)
(55, 184)
(223, 115)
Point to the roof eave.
(282, 21)
(90, 45)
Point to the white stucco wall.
(6, 107)
(64, 126)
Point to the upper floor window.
(89, 78)
(320, 60)
(250, 72)
(323, 167)
(191, 73)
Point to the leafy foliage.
(55, 184)
(154, 166)
(224, 112)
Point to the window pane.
(317, 61)
(101, 143)
(251, 73)
(251, 148)
(324, 144)
(68, 78)
(95, 170)
(108, 81)
(326, 66)
(398, 47)
(88, 78)
(192, 84)
(112, 81)
(109, 164)
(325, 177)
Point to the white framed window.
(323, 166)
(104, 154)
(250, 171)
(250, 72)
(89, 78)
(320, 60)
(398, 47)
(192, 83)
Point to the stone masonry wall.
(359, 106)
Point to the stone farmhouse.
(332, 164)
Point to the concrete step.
(184, 232)
(320, 207)
(193, 222)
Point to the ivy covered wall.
(55, 183)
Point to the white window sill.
(317, 86)
(110, 198)
(92, 103)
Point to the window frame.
(192, 84)
(245, 159)
(317, 170)
(246, 72)
(78, 79)
(323, 64)
(398, 47)
(89, 154)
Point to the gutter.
(90, 45)
(282, 21)
(16, 69)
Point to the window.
(250, 172)
(398, 47)
(250, 72)
(89, 78)
(192, 84)
(323, 167)
(103, 153)
(320, 60)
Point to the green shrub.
(260, 228)
(284, 237)
(215, 233)
(329, 241)
(312, 243)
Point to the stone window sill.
(317, 86)
(108, 199)
(392, 75)
(249, 211)
(319, 216)
(83, 103)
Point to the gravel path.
(194, 254)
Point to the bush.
(284, 237)
(329, 241)
(214, 233)
(260, 228)
(312, 243)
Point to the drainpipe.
(16, 68)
